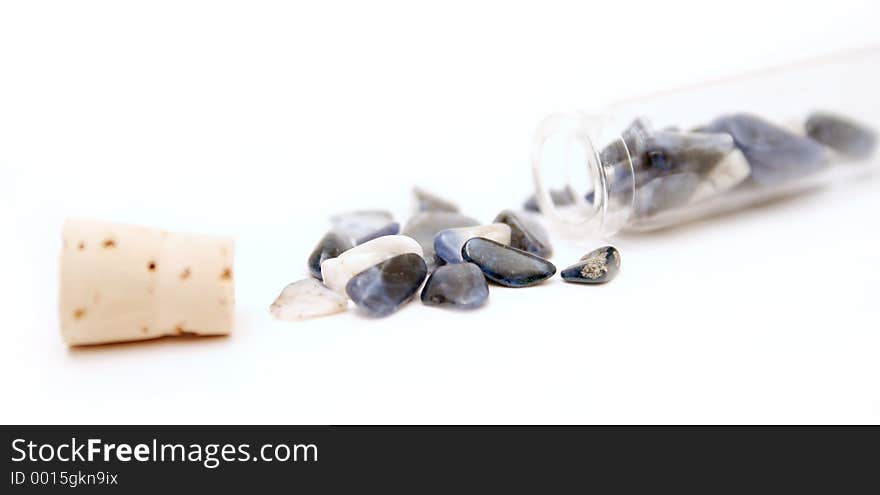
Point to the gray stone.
(664, 193)
(425, 201)
(526, 233)
(461, 286)
(841, 134)
(774, 154)
(364, 225)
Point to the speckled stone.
(425, 201)
(461, 286)
(774, 154)
(424, 227)
(664, 193)
(364, 225)
(505, 265)
(560, 197)
(306, 299)
(384, 288)
(596, 267)
(330, 246)
(448, 243)
(841, 134)
(526, 233)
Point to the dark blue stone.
(526, 234)
(596, 267)
(382, 289)
(841, 134)
(392, 228)
(330, 246)
(505, 265)
(560, 197)
(774, 154)
(461, 285)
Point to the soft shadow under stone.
(384, 288)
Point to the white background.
(259, 119)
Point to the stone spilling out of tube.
(505, 265)
(384, 288)
(596, 267)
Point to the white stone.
(338, 271)
(305, 299)
(448, 243)
(724, 176)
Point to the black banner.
(329, 459)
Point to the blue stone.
(461, 286)
(841, 134)
(330, 246)
(596, 267)
(382, 289)
(664, 193)
(526, 233)
(505, 265)
(774, 154)
(426, 201)
(425, 226)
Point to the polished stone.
(364, 225)
(461, 286)
(382, 289)
(664, 193)
(425, 226)
(338, 271)
(330, 246)
(526, 233)
(505, 265)
(596, 267)
(774, 154)
(426, 201)
(841, 134)
(448, 243)
(306, 299)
